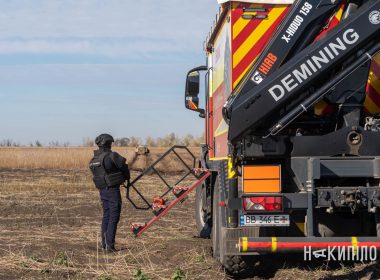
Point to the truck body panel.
(236, 42)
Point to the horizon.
(157, 141)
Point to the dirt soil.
(50, 222)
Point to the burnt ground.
(50, 221)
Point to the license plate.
(265, 220)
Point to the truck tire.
(234, 265)
(202, 215)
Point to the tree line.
(37, 143)
(169, 140)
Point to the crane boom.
(262, 106)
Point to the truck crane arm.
(263, 106)
(302, 24)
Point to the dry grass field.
(61, 158)
(50, 220)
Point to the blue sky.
(71, 69)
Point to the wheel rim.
(202, 213)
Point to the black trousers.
(111, 202)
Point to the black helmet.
(104, 140)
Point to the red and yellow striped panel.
(372, 101)
(249, 37)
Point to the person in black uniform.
(110, 170)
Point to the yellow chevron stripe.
(256, 35)
(371, 106)
(242, 23)
(222, 128)
(372, 75)
(339, 14)
(244, 72)
(374, 81)
(235, 5)
(376, 59)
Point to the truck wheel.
(202, 216)
(234, 265)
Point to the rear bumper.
(300, 244)
(240, 241)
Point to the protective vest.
(101, 177)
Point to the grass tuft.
(179, 274)
(139, 275)
(105, 277)
(61, 259)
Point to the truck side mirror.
(192, 90)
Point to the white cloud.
(109, 27)
(108, 48)
(44, 46)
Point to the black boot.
(110, 249)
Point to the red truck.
(292, 126)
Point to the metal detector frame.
(172, 150)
